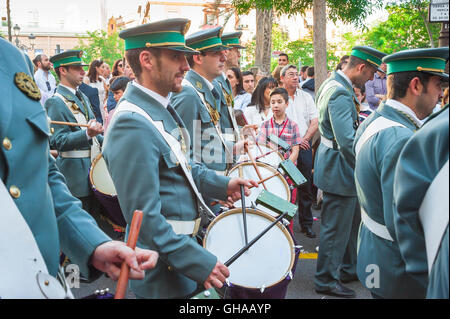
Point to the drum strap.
(433, 213)
(216, 125)
(25, 274)
(379, 124)
(174, 145)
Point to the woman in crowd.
(241, 98)
(118, 68)
(96, 80)
(259, 109)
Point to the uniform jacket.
(221, 84)
(69, 138)
(92, 94)
(54, 216)
(374, 177)
(338, 121)
(155, 184)
(206, 145)
(420, 161)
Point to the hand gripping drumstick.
(254, 165)
(131, 242)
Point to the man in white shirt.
(44, 79)
(303, 111)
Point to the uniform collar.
(345, 77)
(73, 91)
(161, 99)
(209, 84)
(403, 108)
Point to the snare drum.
(273, 159)
(104, 190)
(276, 185)
(265, 270)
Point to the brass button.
(52, 130)
(170, 268)
(7, 144)
(14, 191)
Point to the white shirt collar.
(402, 107)
(70, 89)
(345, 77)
(209, 84)
(224, 76)
(161, 99)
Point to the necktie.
(78, 95)
(175, 115)
(215, 94)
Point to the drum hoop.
(267, 216)
(91, 171)
(271, 168)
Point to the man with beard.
(412, 94)
(333, 172)
(44, 79)
(147, 154)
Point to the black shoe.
(339, 291)
(345, 279)
(308, 232)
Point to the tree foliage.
(354, 11)
(100, 45)
(406, 28)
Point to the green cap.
(231, 39)
(207, 40)
(370, 55)
(431, 61)
(68, 58)
(168, 34)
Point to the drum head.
(266, 263)
(100, 178)
(276, 185)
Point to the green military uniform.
(420, 195)
(199, 106)
(155, 183)
(227, 118)
(333, 173)
(30, 174)
(420, 161)
(378, 144)
(71, 142)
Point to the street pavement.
(301, 287)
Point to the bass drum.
(103, 188)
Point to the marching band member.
(37, 204)
(333, 172)
(421, 194)
(198, 103)
(146, 151)
(412, 94)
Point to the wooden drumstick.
(244, 211)
(131, 242)
(254, 165)
(68, 123)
